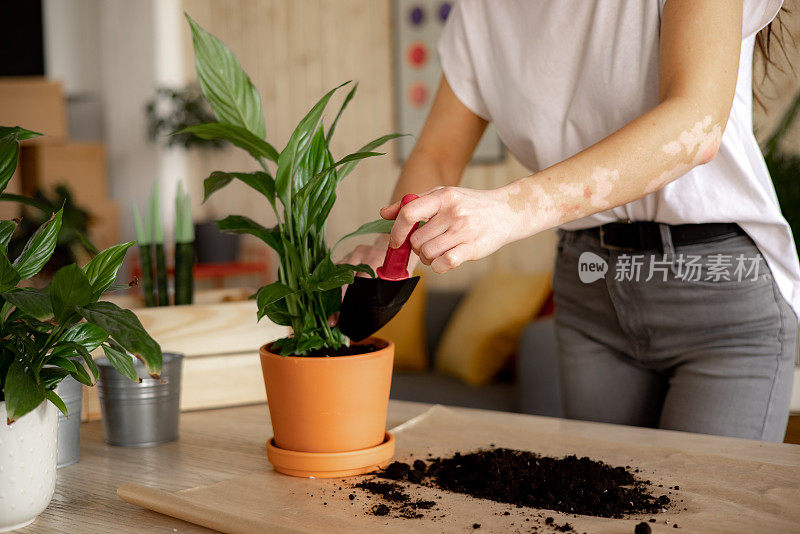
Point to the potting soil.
(522, 479)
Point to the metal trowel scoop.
(370, 303)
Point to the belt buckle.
(603, 243)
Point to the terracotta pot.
(326, 405)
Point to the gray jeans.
(686, 350)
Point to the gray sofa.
(534, 389)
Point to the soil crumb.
(397, 500)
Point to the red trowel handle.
(395, 264)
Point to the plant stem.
(184, 281)
(146, 256)
(161, 275)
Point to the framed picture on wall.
(416, 27)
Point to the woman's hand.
(373, 255)
(462, 225)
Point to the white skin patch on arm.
(699, 143)
(603, 179)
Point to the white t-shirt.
(556, 76)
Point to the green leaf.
(345, 169)
(9, 277)
(379, 226)
(225, 84)
(53, 397)
(278, 313)
(271, 294)
(81, 351)
(309, 188)
(81, 375)
(22, 392)
(127, 330)
(101, 271)
(239, 224)
(9, 151)
(60, 361)
(15, 132)
(6, 231)
(153, 215)
(308, 344)
(327, 276)
(260, 181)
(21, 199)
(347, 100)
(142, 235)
(297, 146)
(31, 301)
(39, 248)
(244, 139)
(87, 335)
(360, 268)
(69, 289)
(51, 376)
(122, 362)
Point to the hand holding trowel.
(370, 303)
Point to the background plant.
(301, 193)
(152, 253)
(47, 334)
(175, 109)
(73, 245)
(784, 169)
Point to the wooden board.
(220, 342)
(217, 445)
(208, 329)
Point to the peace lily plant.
(47, 334)
(345, 397)
(300, 191)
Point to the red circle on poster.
(417, 55)
(418, 94)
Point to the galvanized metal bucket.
(141, 414)
(69, 428)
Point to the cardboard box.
(80, 166)
(104, 226)
(36, 104)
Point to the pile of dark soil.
(525, 479)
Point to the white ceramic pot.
(27, 465)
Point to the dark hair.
(775, 32)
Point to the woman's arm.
(698, 66)
(441, 153)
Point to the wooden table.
(220, 444)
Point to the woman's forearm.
(638, 159)
(422, 172)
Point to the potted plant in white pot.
(47, 334)
(327, 397)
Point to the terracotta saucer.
(330, 464)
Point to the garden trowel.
(370, 303)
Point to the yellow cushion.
(483, 333)
(407, 330)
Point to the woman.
(639, 116)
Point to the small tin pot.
(141, 414)
(69, 428)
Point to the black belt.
(646, 235)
